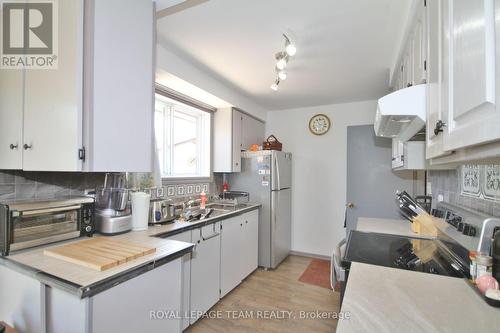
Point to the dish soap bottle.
(203, 198)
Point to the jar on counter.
(484, 265)
(473, 265)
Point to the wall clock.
(319, 124)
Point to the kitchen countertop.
(387, 226)
(85, 282)
(382, 299)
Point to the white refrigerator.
(267, 176)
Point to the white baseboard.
(310, 255)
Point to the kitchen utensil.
(406, 212)
(112, 208)
(207, 214)
(161, 211)
(114, 180)
(140, 210)
(99, 253)
(26, 224)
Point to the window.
(182, 135)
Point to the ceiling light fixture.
(290, 47)
(282, 75)
(282, 59)
(275, 85)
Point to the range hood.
(402, 113)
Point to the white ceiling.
(345, 47)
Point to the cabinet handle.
(13, 146)
(439, 127)
(27, 146)
(246, 222)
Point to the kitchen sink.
(216, 212)
(226, 206)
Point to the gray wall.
(448, 183)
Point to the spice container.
(473, 265)
(484, 265)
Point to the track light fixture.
(275, 85)
(282, 59)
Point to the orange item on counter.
(254, 147)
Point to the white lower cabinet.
(186, 279)
(146, 303)
(250, 243)
(239, 249)
(21, 301)
(205, 269)
(231, 272)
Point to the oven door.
(37, 227)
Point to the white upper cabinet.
(11, 119)
(253, 131)
(474, 117)
(437, 75)
(227, 140)
(419, 47)
(234, 132)
(119, 89)
(94, 112)
(53, 100)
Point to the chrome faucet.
(190, 203)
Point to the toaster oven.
(26, 224)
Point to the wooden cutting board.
(99, 253)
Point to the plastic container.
(203, 199)
(140, 210)
(473, 265)
(484, 265)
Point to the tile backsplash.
(473, 186)
(47, 185)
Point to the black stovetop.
(422, 255)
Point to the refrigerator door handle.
(277, 172)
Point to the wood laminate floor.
(269, 294)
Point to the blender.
(112, 212)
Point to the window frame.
(191, 103)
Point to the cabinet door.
(127, 307)
(11, 118)
(408, 68)
(236, 139)
(205, 269)
(186, 278)
(232, 254)
(438, 69)
(397, 153)
(252, 132)
(251, 242)
(419, 46)
(53, 101)
(473, 117)
(21, 304)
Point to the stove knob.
(466, 229)
(460, 227)
(472, 231)
(432, 270)
(88, 228)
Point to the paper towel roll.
(140, 210)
